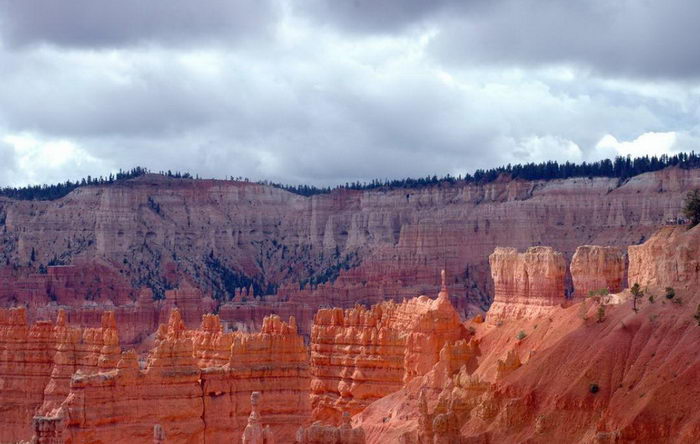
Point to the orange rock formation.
(597, 268)
(360, 355)
(205, 400)
(37, 362)
(254, 432)
(318, 433)
(410, 372)
(671, 258)
(553, 376)
(527, 284)
(275, 363)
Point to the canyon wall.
(207, 399)
(409, 372)
(381, 244)
(595, 268)
(360, 355)
(38, 360)
(526, 284)
(671, 258)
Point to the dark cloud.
(106, 23)
(340, 91)
(628, 38)
(383, 16)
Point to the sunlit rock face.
(207, 400)
(526, 284)
(37, 362)
(595, 268)
(670, 258)
(360, 355)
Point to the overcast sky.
(340, 90)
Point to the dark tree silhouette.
(621, 168)
(691, 207)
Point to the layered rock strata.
(37, 362)
(123, 405)
(360, 355)
(596, 268)
(204, 404)
(526, 284)
(670, 258)
(275, 363)
(223, 235)
(26, 361)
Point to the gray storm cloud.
(325, 92)
(104, 23)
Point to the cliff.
(208, 404)
(381, 244)
(595, 268)
(275, 363)
(361, 355)
(26, 361)
(670, 258)
(526, 285)
(123, 405)
(37, 362)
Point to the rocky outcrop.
(361, 355)
(26, 361)
(317, 433)
(203, 404)
(275, 363)
(670, 258)
(123, 405)
(254, 433)
(37, 362)
(88, 350)
(526, 284)
(594, 268)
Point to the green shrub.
(521, 335)
(593, 388)
(691, 207)
(601, 313)
(637, 294)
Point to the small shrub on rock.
(601, 313)
(670, 293)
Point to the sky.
(324, 92)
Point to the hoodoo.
(526, 284)
(361, 355)
(595, 268)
